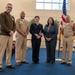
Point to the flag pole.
(62, 23)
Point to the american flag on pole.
(63, 20)
(63, 17)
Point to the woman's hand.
(48, 39)
(41, 34)
(36, 35)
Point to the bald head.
(68, 19)
(22, 15)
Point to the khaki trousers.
(5, 44)
(67, 47)
(21, 44)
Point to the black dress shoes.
(63, 63)
(53, 62)
(69, 64)
(48, 61)
(24, 62)
(18, 63)
(1, 69)
(35, 62)
(10, 66)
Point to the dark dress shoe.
(18, 64)
(69, 64)
(24, 62)
(47, 62)
(1, 69)
(63, 63)
(35, 62)
(53, 62)
(10, 66)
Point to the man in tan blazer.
(21, 39)
(8, 26)
(67, 41)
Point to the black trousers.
(35, 49)
(51, 48)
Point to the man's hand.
(25, 35)
(11, 33)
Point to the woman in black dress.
(50, 34)
(36, 30)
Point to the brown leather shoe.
(10, 66)
(24, 62)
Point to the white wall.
(29, 6)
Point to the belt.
(66, 36)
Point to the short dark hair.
(52, 20)
(36, 17)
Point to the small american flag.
(63, 17)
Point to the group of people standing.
(8, 28)
(50, 32)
